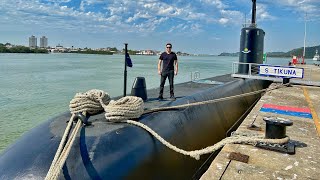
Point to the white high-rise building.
(43, 42)
(32, 42)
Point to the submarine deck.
(184, 89)
(181, 90)
(267, 164)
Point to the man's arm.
(159, 66)
(176, 66)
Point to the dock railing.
(302, 74)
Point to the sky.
(192, 26)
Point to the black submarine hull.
(107, 150)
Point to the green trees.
(90, 51)
(310, 51)
(19, 49)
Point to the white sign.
(290, 72)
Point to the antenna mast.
(253, 19)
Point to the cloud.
(262, 13)
(150, 25)
(138, 16)
(311, 7)
(117, 15)
(184, 29)
(216, 3)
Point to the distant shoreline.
(8, 48)
(309, 53)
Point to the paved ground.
(265, 164)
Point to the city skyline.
(197, 26)
(43, 42)
(33, 42)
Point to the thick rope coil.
(129, 107)
(94, 101)
(91, 102)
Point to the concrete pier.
(301, 104)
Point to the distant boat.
(316, 57)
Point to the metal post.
(305, 35)
(125, 70)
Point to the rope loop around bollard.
(84, 119)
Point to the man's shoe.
(160, 98)
(172, 97)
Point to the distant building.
(146, 52)
(43, 42)
(32, 42)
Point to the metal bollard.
(276, 127)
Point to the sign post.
(280, 71)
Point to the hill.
(310, 51)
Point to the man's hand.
(159, 72)
(176, 73)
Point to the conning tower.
(251, 43)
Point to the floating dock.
(300, 104)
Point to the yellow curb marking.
(313, 112)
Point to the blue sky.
(193, 26)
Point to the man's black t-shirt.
(167, 61)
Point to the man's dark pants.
(164, 75)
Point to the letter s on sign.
(266, 70)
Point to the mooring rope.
(239, 138)
(213, 100)
(63, 150)
(60, 148)
(131, 107)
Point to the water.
(36, 87)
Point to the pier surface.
(300, 104)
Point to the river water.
(36, 87)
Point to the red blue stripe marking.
(287, 110)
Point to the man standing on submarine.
(167, 67)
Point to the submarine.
(109, 150)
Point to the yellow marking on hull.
(313, 112)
